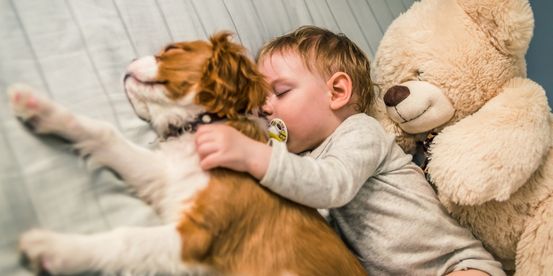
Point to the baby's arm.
(328, 181)
(224, 146)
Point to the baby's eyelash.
(277, 93)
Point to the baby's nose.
(266, 109)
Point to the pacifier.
(277, 130)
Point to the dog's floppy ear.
(231, 84)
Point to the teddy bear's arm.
(490, 154)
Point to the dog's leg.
(135, 251)
(141, 168)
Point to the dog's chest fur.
(184, 176)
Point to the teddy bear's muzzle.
(418, 106)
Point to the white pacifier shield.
(277, 130)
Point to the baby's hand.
(224, 146)
(221, 146)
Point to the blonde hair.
(327, 53)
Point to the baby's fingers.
(206, 148)
(209, 162)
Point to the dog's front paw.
(31, 108)
(53, 252)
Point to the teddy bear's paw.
(469, 189)
(53, 252)
(462, 195)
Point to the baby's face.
(300, 98)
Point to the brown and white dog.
(218, 221)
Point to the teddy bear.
(453, 86)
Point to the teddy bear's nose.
(396, 94)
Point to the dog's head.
(190, 78)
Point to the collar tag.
(206, 118)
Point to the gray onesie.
(378, 201)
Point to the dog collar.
(203, 118)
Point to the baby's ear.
(339, 86)
(509, 24)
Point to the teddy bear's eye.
(419, 74)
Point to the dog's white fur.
(166, 178)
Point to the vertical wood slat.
(368, 24)
(321, 15)
(248, 28)
(396, 7)
(348, 24)
(381, 12)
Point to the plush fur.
(456, 68)
(216, 222)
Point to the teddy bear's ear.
(508, 23)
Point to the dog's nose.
(396, 94)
